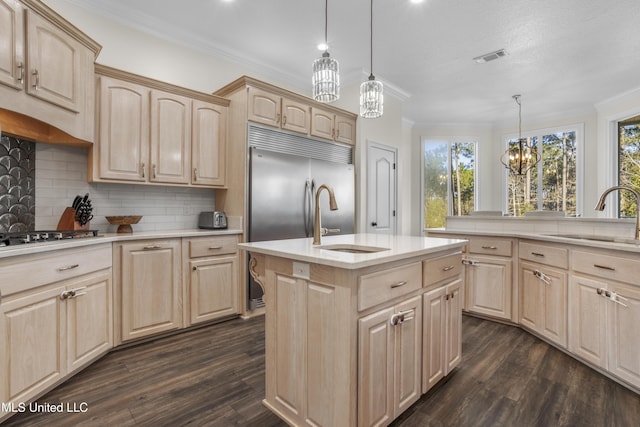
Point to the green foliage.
(629, 165)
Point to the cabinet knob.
(194, 268)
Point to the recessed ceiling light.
(416, 1)
(490, 56)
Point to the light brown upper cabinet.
(154, 133)
(274, 110)
(51, 64)
(332, 126)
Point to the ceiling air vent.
(490, 56)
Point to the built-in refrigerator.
(282, 193)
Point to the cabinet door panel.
(264, 107)
(375, 369)
(454, 326)
(554, 308)
(530, 298)
(489, 286)
(12, 49)
(124, 130)
(345, 129)
(408, 355)
(209, 144)
(150, 288)
(54, 64)
(170, 138)
(33, 331)
(587, 320)
(295, 116)
(213, 288)
(322, 123)
(433, 368)
(89, 319)
(624, 340)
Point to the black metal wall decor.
(17, 184)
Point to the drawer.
(544, 254)
(490, 246)
(382, 286)
(606, 266)
(29, 271)
(438, 269)
(211, 246)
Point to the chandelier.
(326, 78)
(520, 157)
(371, 91)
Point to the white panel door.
(381, 189)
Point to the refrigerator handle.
(308, 196)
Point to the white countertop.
(398, 247)
(589, 240)
(33, 248)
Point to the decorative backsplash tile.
(17, 184)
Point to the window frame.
(449, 140)
(578, 128)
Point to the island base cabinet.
(308, 336)
(442, 341)
(389, 355)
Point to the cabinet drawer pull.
(490, 247)
(469, 262)
(152, 247)
(214, 248)
(195, 174)
(68, 267)
(397, 285)
(604, 267)
(401, 317)
(142, 170)
(153, 167)
(448, 268)
(284, 119)
(537, 254)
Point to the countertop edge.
(34, 248)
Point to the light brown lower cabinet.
(50, 332)
(442, 345)
(389, 362)
(211, 278)
(148, 286)
(489, 285)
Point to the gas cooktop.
(26, 237)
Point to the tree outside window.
(448, 180)
(552, 184)
(628, 164)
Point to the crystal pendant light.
(371, 96)
(519, 158)
(326, 78)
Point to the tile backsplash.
(62, 174)
(17, 184)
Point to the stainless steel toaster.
(215, 219)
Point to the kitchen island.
(359, 327)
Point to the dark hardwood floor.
(214, 376)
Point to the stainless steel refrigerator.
(282, 197)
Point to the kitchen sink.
(354, 249)
(595, 238)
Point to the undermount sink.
(354, 249)
(594, 238)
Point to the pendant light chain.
(371, 43)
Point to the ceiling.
(563, 56)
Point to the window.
(628, 164)
(552, 185)
(448, 177)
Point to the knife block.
(68, 221)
